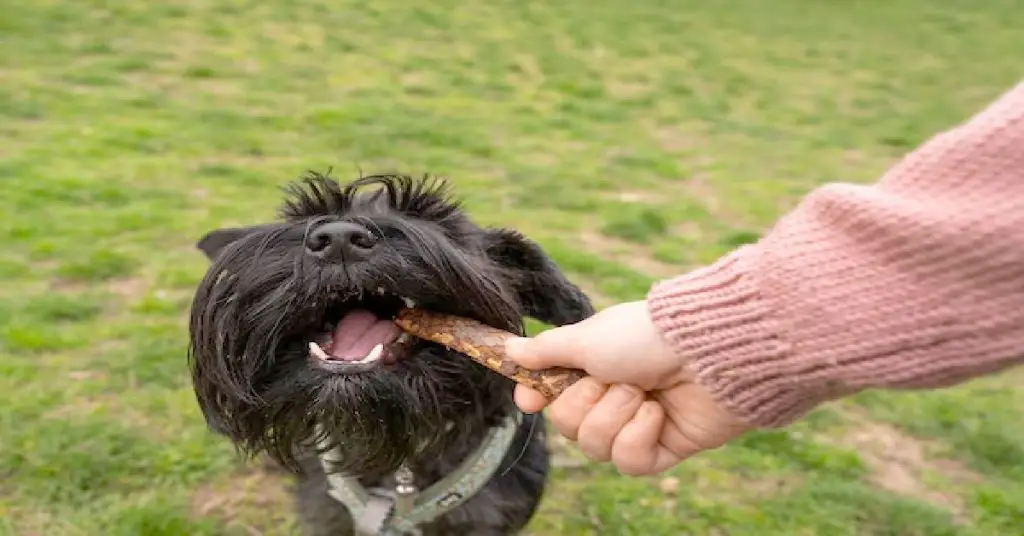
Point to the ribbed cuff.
(719, 325)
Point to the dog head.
(292, 343)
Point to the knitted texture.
(914, 282)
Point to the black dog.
(293, 354)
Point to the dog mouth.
(360, 334)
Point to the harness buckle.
(405, 491)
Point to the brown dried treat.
(485, 345)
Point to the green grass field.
(634, 140)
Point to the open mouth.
(360, 334)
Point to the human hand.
(638, 407)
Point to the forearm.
(916, 281)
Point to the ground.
(633, 140)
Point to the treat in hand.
(485, 345)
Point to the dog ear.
(541, 287)
(213, 242)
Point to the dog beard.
(266, 298)
(380, 419)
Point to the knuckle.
(684, 447)
(598, 453)
(635, 465)
(699, 436)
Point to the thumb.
(561, 346)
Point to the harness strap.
(375, 512)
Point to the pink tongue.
(358, 332)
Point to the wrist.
(723, 332)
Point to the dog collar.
(400, 511)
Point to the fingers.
(554, 347)
(695, 423)
(637, 449)
(568, 410)
(616, 424)
(530, 400)
(562, 346)
(603, 422)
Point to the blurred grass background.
(634, 140)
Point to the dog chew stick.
(485, 345)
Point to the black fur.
(264, 298)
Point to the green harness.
(399, 512)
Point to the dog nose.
(338, 241)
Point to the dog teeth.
(315, 349)
(408, 302)
(380, 290)
(374, 354)
(402, 339)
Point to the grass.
(633, 140)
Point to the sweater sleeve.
(913, 282)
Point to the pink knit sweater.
(914, 282)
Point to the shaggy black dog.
(294, 354)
